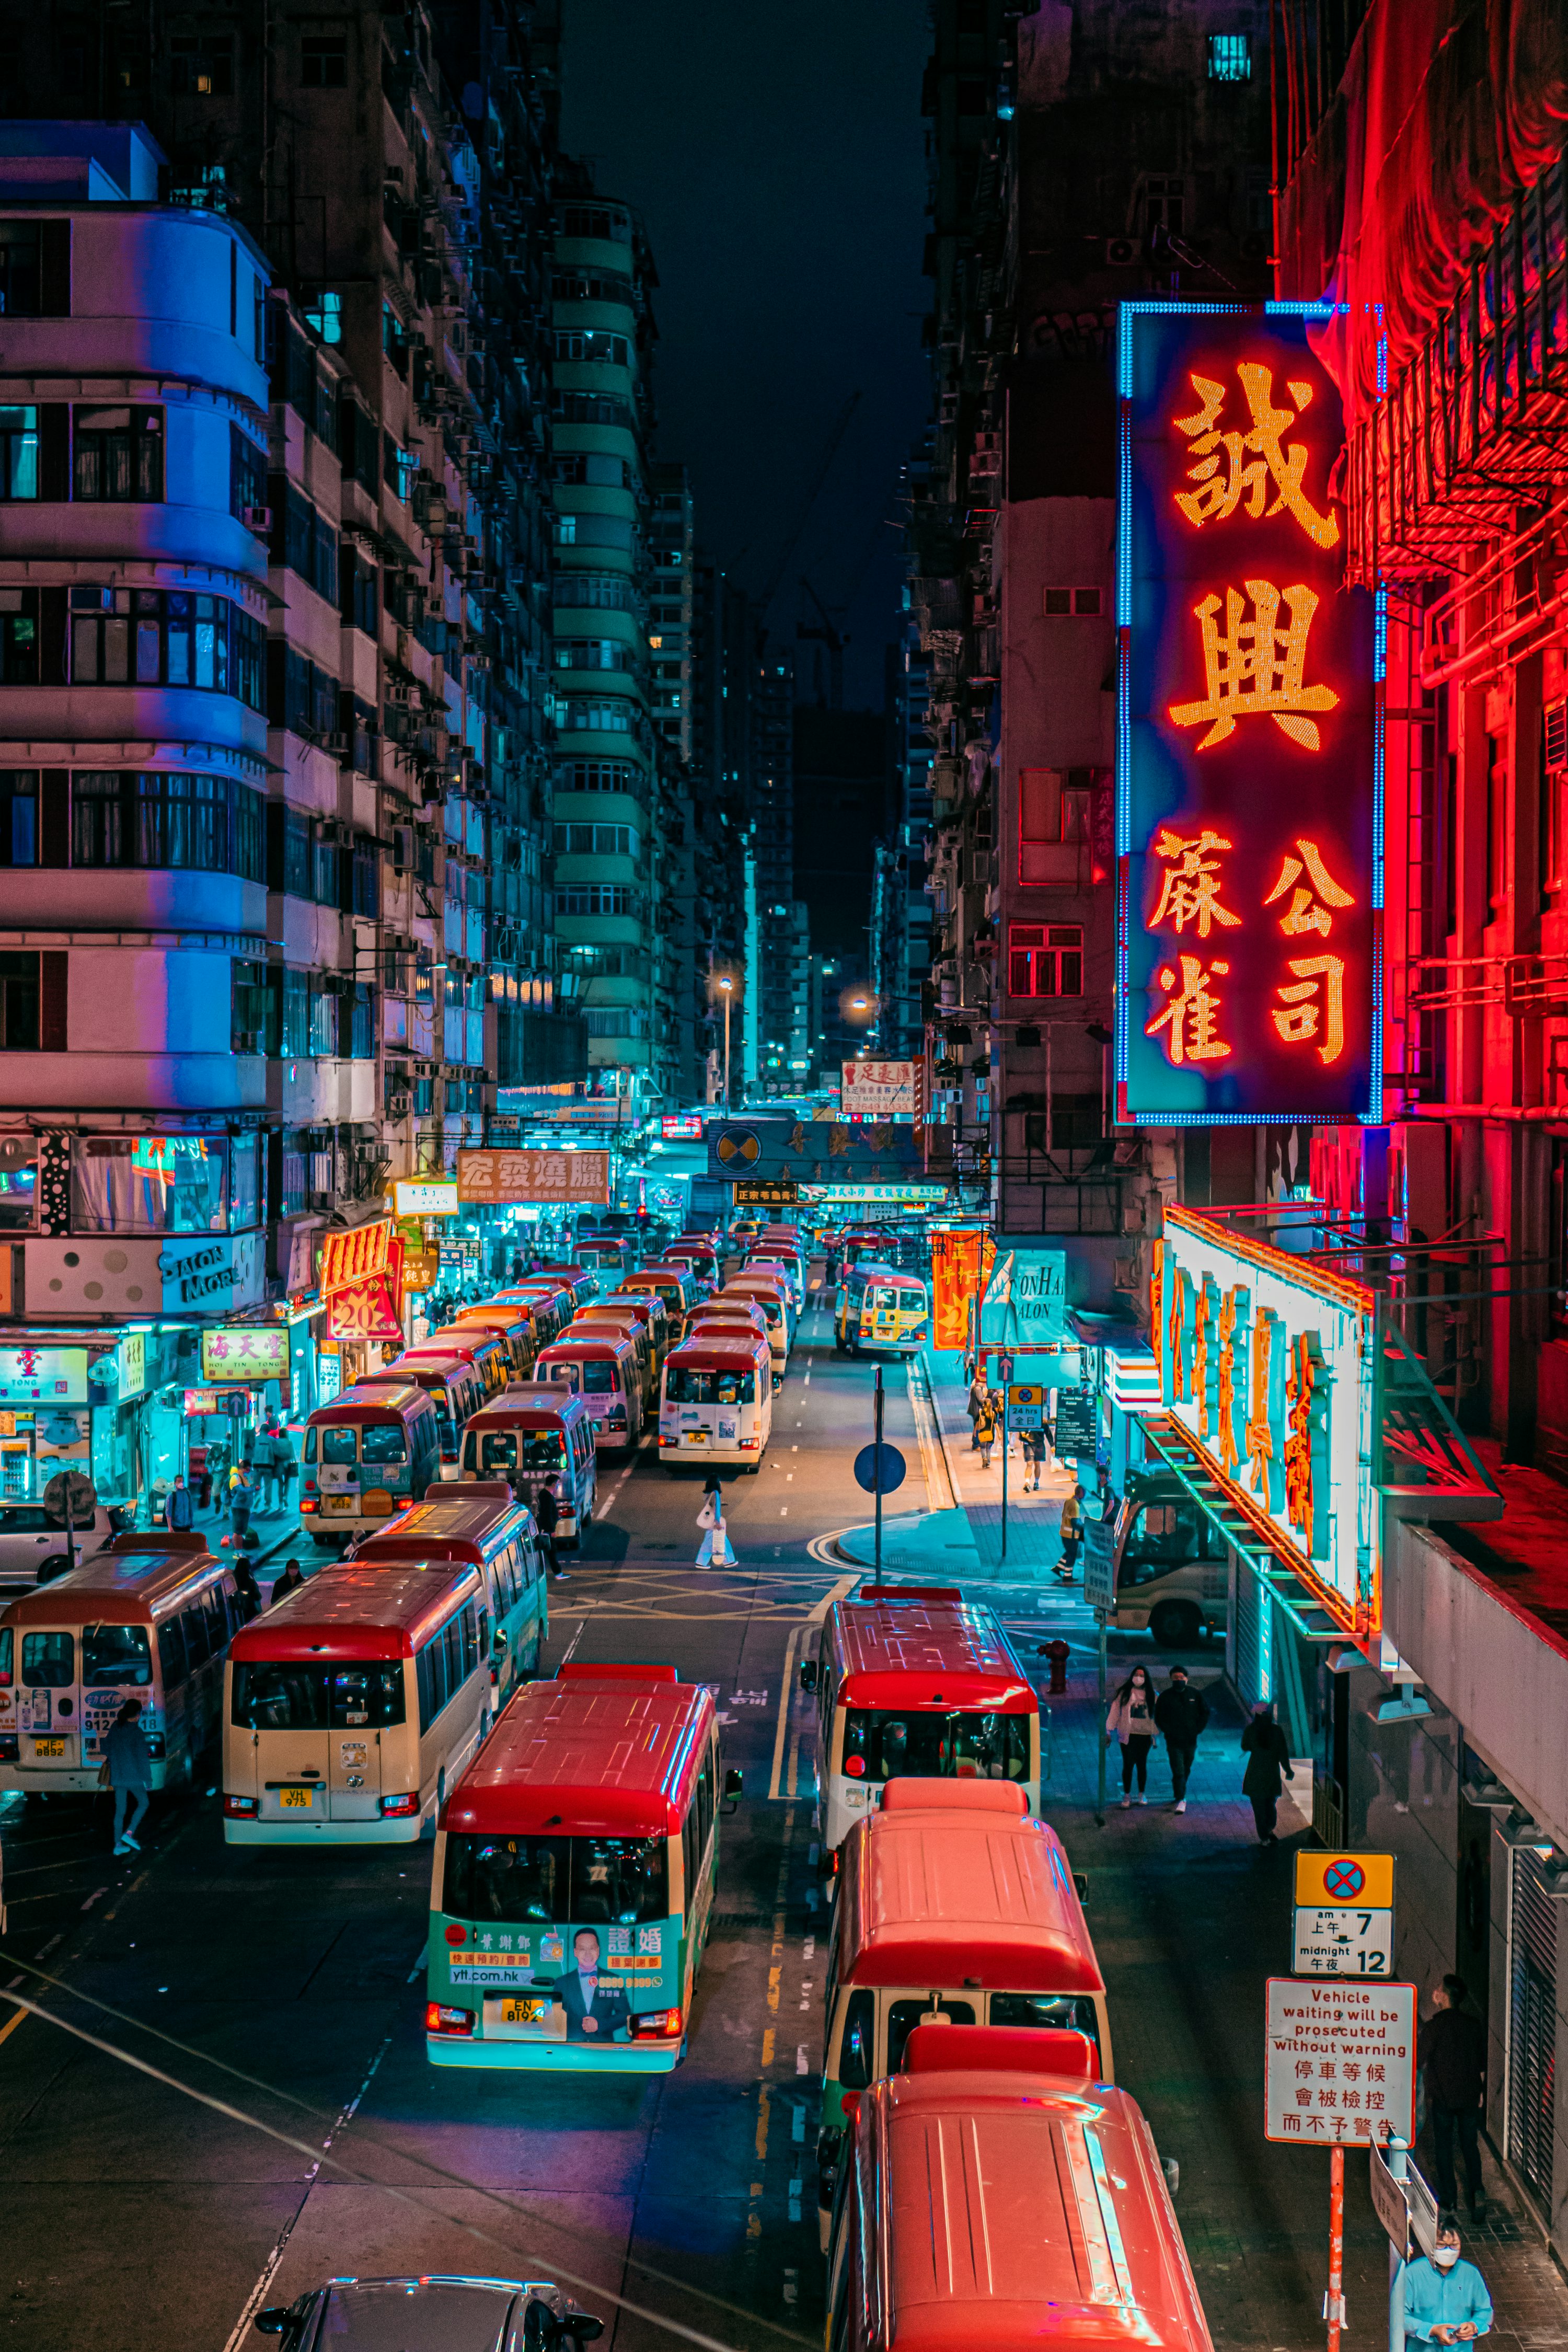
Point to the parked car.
(33, 1547)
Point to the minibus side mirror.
(584, 2327)
(734, 1781)
(809, 1675)
(273, 2320)
(1081, 1883)
(499, 1638)
(1172, 2172)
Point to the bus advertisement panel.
(573, 1878)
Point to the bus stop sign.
(880, 1469)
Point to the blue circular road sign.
(885, 1475)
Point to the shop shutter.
(1531, 2026)
(1249, 1608)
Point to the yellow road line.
(6, 2031)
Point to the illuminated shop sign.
(43, 1375)
(1249, 753)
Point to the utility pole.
(876, 1442)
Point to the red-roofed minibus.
(573, 1889)
(604, 1371)
(912, 1679)
(351, 1708)
(480, 1523)
(717, 1402)
(954, 1903)
(987, 2201)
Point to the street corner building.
(1238, 659)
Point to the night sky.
(777, 158)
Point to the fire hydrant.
(1057, 1651)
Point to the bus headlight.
(440, 2019)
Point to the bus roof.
(1012, 2207)
(542, 1403)
(971, 1895)
(577, 1342)
(350, 1613)
(607, 1756)
(133, 1587)
(357, 1404)
(925, 1652)
(452, 1339)
(708, 1353)
(870, 1270)
(460, 1522)
(413, 1366)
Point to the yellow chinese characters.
(1235, 469)
(1191, 1013)
(1190, 889)
(1257, 668)
(1312, 1005)
(1312, 901)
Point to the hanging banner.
(364, 1311)
(348, 1257)
(960, 1268)
(568, 1178)
(1248, 748)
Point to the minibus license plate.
(337, 1502)
(696, 1436)
(49, 1748)
(296, 1800)
(525, 2013)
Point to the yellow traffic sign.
(1022, 1397)
(1361, 1882)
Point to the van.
(621, 1315)
(539, 1435)
(368, 1454)
(512, 1325)
(485, 1350)
(604, 1372)
(631, 1291)
(1172, 1573)
(453, 1386)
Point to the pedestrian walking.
(978, 1397)
(547, 1518)
(241, 1500)
(1180, 1715)
(178, 1511)
(246, 1586)
(261, 1470)
(127, 1769)
(1072, 1536)
(286, 1465)
(987, 1427)
(1454, 2060)
(1130, 1720)
(1268, 1754)
(1033, 1457)
(290, 1581)
(1445, 2298)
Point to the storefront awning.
(1269, 1560)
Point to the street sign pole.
(1398, 2166)
(1006, 1400)
(1099, 1743)
(877, 1440)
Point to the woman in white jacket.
(1131, 1719)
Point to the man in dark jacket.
(1454, 2054)
(1180, 1715)
(1268, 1754)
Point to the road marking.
(787, 1688)
(6, 2031)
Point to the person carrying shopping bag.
(714, 1551)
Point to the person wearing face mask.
(1446, 2299)
(1130, 1720)
(1268, 1754)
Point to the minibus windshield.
(686, 1385)
(116, 1654)
(284, 1696)
(585, 1880)
(881, 1743)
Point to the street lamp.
(727, 986)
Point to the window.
(881, 1744)
(1164, 205)
(200, 65)
(325, 314)
(150, 637)
(596, 220)
(857, 2046)
(1080, 603)
(597, 840)
(149, 819)
(684, 1385)
(600, 776)
(286, 1697)
(1230, 59)
(357, 592)
(1166, 1536)
(302, 539)
(593, 343)
(251, 1007)
(35, 268)
(19, 646)
(1044, 960)
(18, 1196)
(599, 899)
(20, 1009)
(149, 1185)
(595, 653)
(18, 453)
(18, 816)
(116, 454)
(246, 472)
(588, 1880)
(608, 591)
(1055, 825)
(49, 1660)
(324, 61)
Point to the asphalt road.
(272, 2003)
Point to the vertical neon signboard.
(1248, 737)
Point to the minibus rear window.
(684, 1385)
(880, 1744)
(49, 1660)
(383, 1440)
(340, 1444)
(600, 1380)
(116, 1654)
(281, 1696)
(589, 1881)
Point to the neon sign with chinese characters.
(1248, 776)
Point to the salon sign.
(1267, 1365)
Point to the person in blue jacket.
(1446, 2299)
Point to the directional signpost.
(880, 1469)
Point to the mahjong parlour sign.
(1248, 759)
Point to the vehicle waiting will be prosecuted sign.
(1340, 2062)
